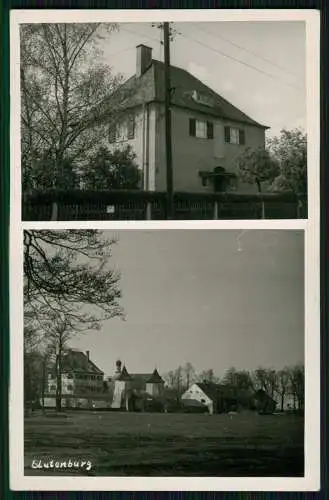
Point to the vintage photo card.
(177, 115)
(164, 250)
(178, 358)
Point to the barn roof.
(214, 391)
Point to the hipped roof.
(77, 361)
(149, 87)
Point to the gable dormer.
(202, 98)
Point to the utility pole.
(169, 169)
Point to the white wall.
(154, 389)
(194, 392)
(192, 154)
(143, 143)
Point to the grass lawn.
(156, 444)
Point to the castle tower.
(119, 387)
(117, 372)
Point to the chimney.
(143, 60)
(88, 355)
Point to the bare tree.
(68, 288)
(238, 378)
(65, 271)
(265, 379)
(208, 376)
(59, 333)
(282, 385)
(66, 95)
(189, 373)
(297, 384)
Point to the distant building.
(134, 391)
(208, 132)
(82, 381)
(219, 398)
(83, 386)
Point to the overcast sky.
(272, 91)
(214, 298)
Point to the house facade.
(82, 381)
(208, 132)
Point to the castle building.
(133, 390)
(83, 386)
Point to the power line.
(139, 36)
(239, 61)
(157, 40)
(250, 52)
(217, 51)
(128, 49)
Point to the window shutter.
(192, 127)
(112, 133)
(242, 137)
(131, 127)
(210, 130)
(227, 132)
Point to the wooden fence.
(146, 205)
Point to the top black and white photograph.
(163, 120)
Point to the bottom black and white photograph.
(164, 353)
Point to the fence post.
(215, 210)
(148, 210)
(54, 211)
(263, 209)
(299, 208)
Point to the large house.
(82, 381)
(219, 398)
(208, 132)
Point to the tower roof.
(153, 377)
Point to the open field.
(146, 444)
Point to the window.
(70, 387)
(234, 135)
(201, 98)
(122, 131)
(201, 129)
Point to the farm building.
(219, 398)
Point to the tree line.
(288, 382)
